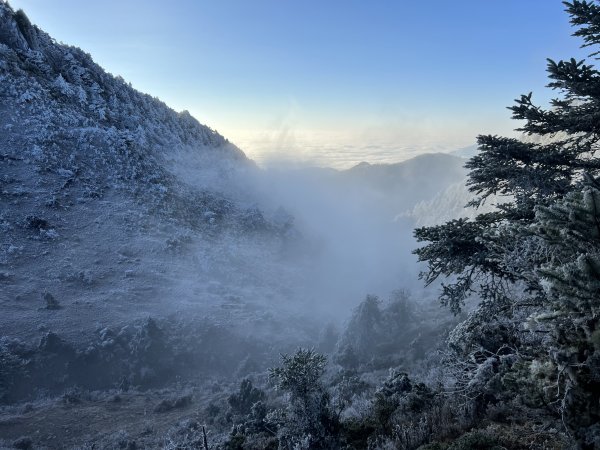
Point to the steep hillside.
(112, 203)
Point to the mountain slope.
(112, 203)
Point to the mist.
(343, 235)
(352, 244)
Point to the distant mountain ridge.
(466, 152)
(418, 178)
(396, 187)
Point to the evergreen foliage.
(243, 401)
(308, 420)
(535, 261)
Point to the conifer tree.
(536, 259)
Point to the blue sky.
(286, 76)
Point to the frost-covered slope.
(114, 204)
(70, 117)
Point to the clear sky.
(377, 79)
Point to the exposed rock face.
(15, 30)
